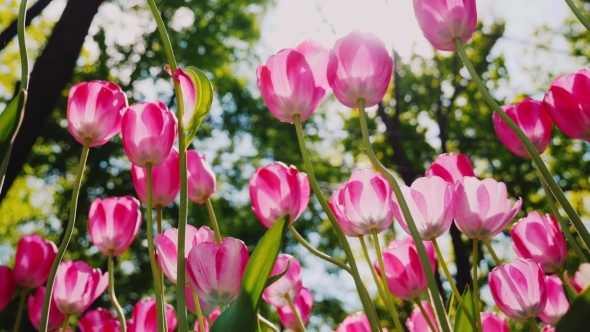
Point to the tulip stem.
(22, 45)
(214, 223)
(198, 310)
(425, 315)
(456, 293)
(64, 326)
(67, 236)
(21, 309)
(364, 296)
(476, 284)
(114, 302)
(159, 219)
(533, 325)
(316, 252)
(267, 323)
(492, 252)
(578, 14)
(545, 174)
(374, 273)
(295, 313)
(440, 309)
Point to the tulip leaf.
(242, 315)
(577, 318)
(204, 91)
(569, 293)
(10, 121)
(461, 321)
(275, 278)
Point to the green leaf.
(274, 278)
(10, 121)
(242, 315)
(204, 91)
(462, 324)
(569, 293)
(577, 318)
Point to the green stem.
(198, 310)
(364, 296)
(22, 45)
(21, 309)
(492, 252)
(67, 236)
(159, 219)
(425, 315)
(373, 272)
(578, 14)
(533, 325)
(456, 293)
(214, 224)
(113, 297)
(64, 326)
(316, 252)
(545, 174)
(476, 284)
(440, 309)
(267, 323)
(295, 313)
(160, 272)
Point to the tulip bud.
(33, 260)
(99, 320)
(165, 181)
(581, 278)
(303, 306)
(557, 303)
(288, 285)
(35, 310)
(201, 179)
(212, 317)
(77, 285)
(451, 167)
(418, 323)
(490, 322)
(144, 317)
(8, 286)
(356, 322)
(548, 328)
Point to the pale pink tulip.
(99, 320)
(189, 96)
(482, 208)
(277, 190)
(538, 237)
(490, 322)
(548, 328)
(417, 322)
(201, 179)
(363, 203)
(7, 285)
(33, 260)
(364, 69)
(148, 131)
(215, 272)
(35, 309)
(294, 81)
(303, 306)
(77, 285)
(581, 279)
(206, 308)
(95, 110)
(441, 21)
(557, 303)
(451, 167)
(356, 322)
(519, 289)
(165, 181)
(288, 285)
(144, 317)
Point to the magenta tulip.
(201, 179)
(534, 120)
(568, 103)
(189, 96)
(94, 111)
(33, 260)
(482, 208)
(212, 317)
(35, 309)
(277, 190)
(417, 323)
(148, 131)
(441, 21)
(548, 328)
(206, 308)
(303, 306)
(557, 303)
(77, 285)
(144, 317)
(215, 272)
(538, 237)
(490, 322)
(581, 279)
(356, 322)
(8, 286)
(451, 167)
(519, 289)
(167, 247)
(430, 201)
(99, 320)
(364, 69)
(113, 223)
(288, 285)
(165, 181)
(363, 203)
(294, 81)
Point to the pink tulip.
(581, 278)
(356, 322)
(113, 223)
(557, 303)
(430, 201)
(148, 131)
(519, 289)
(442, 21)
(288, 285)
(482, 208)
(490, 322)
(534, 120)
(363, 203)
(35, 309)
(144, 317)
(33, 260)
(77, 285)
(364, 69)
(277, 190)
(568, 103)
(99, 320)
(451, 167)
(167, 247)
(95, 111)
(165, 181)
(417, 322)
(189, 96)
(8, 286)
(294, 81)
(201, 179)
(215, 272)
(212, 317)
(538, 237)
(548, 328)
(302, 305)
(206, 308)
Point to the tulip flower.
(538, 237)
(212, 317)
(113, 223)
(215, 272)
(148, 131)
(99, 320)
(303, 306)
(581, 278)
(8, 286)
(35, 309)
(294, 81)
(451, 167)
(430, 201)
(568, 104)
(144, 317)
(189, 96)
(167, 247)
(288, 285)
(201, 179)
(519, 289)
(94, 111)
(356, 322)
(33, 260)
(77, 285)
(206, 308)
(548, 328)
(417, 323)
(557, 303)
(482, 208)
(277, 190)
(441, 21)
(363, 203)
(534, 120)
(165, 181)
(490, 322)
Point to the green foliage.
(462, 324)
(576, 318)
(204, 92)
(10, 120)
